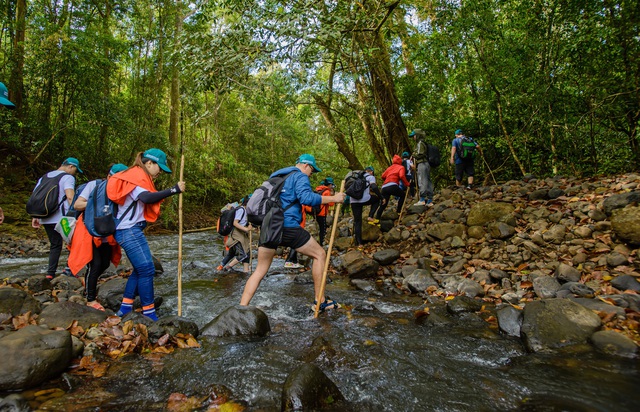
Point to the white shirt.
(66, 182)
(371, 179)
(88, 189)
(241, 216)
(138, 215)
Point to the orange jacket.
(81, 250)
(326, 191)
(123, 183)
(395, 173)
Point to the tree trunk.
(367, 126)
(16, 83)
(106, 75)
(337, 135)
(174, 116)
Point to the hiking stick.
(336, 215)
(404, 204)
(250, 253)
(487, 164)
(180, 240)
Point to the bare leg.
(313, 249)
(265, 257)
(246, 267)
(470, 180)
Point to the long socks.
(150, 311)
(125, 307)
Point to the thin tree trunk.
(337, 135)
(16, 83)
(365, 119)
(174, 116)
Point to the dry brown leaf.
(100, 370)
(192, 342)
(164, 339)
(127, 327)
(163, 349)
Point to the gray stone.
(419, 280)
(476, 232)
(359, 266)
(363, 285)
(498, 274)
(616, 259)
(614, 343)
(308, 388)
(578, 289)
(553, 323)
(38, 283)
(66, 283)
(342, 243)
(370, 233)
(452, 214)
(386, 256)
(619, 201)
(471, 288)
(546, 287)
(462, 304)
(62, 315)
(597, 215)
(393, 236)
(510, 320)
(16, 302)
(172, 325)
(626, 224)
(566, 273)
(14, 403)
(555, 193)
(500, 230)
(599, 306)
(238, 321)
(488, 211)
(33, 355)
(626, 282)
(555, 234)
(540, 194)
(442, 231)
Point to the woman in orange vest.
(97, 252)
(135, 185)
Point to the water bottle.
(105, 210)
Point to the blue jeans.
(135, 245)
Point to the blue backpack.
(100, 214)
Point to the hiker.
(66, 183)
(135, 186)
(371, 197)
(295, 192)
(97, 252)
(463, 150)
(326, 188)
(393, 177)
(4, 97)
(409, 168)
(291, 262)
(423, 169)
(238, 240)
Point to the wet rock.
(462, 304)
(553, 323)
(14, 403)
(488, 211)
(15, 302)
(172, 325)
(500, 230)
(238, 321)
(614, 343)
(359, 266)
(157, 264)
(626, 282)
(363, 285)
(546, 287)
(62, 314)
(626, 224)
(77, 347)
(419, 280)
(442, 231)
(66, 283)
(510, 320)
(110, 293)
(566, 273)
(308, 388)
(470, 288)
(33, 355)
(38, 283)
(619, 201)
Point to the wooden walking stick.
(404, 204)
(336, 215)
(180, 240)
(250, 252)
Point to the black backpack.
(467, 148)
(433, 155)
(43, 202)
(72, 212)
(225, 224)
(355, 183)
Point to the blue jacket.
(297, 188)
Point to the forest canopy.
(241, 88)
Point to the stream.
(380, 356)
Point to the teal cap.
(405, 155)
(459, 131)
(309, 160)
(118, 167)
(369, 168)
(74, 162)
(329, 181)
(159, 157)
(4, 97)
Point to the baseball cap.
(459, 131)
(329, 181)
(118, 167)
(309, 160)
(159, 157)
(4, 97)
(369, 168)
(72, 161)
(405, 155)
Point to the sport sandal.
(327, 304)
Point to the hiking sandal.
(327, 304)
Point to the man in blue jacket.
(297, 190)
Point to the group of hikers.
(110, 214)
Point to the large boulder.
(308, 388)
(553, 323)
(33, 355)
(509, 320)
(62, 315)
(172, 325)
(614, 343)
(626, 224)
(386, 256)
(359, 266)
(15, 302)
(419, 280)
(370, 233)
(620, 201)
(484, 212)
(238, 321)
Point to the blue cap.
(118, 167)
(74, 162)
(369, 168)
(4, 97)
(159, 157)
(413, 133)
(405, 155)
(329, 181)
(459, 131)
(309, 160)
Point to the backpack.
(43, 202)
(433, 155)
(315, 210)
(72, 212)
(467, 148)
(355, 184)
(225, 223)
(264, 198)
(99, 216)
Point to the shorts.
(294, 237)
(464, 167)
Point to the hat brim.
(164, 167)
(6, 102)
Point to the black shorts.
(464, 167)
(294, 237)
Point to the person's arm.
(1, 216)
(149, 197)
(237, 225)
(337, 198)
(80, 204)
(453, 153)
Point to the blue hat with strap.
(309, 160)
(158, 156)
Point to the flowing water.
(380, 356)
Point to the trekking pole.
(180, 240)
(487, 164)
(336, 215)
(250, 251)
(404, 204)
